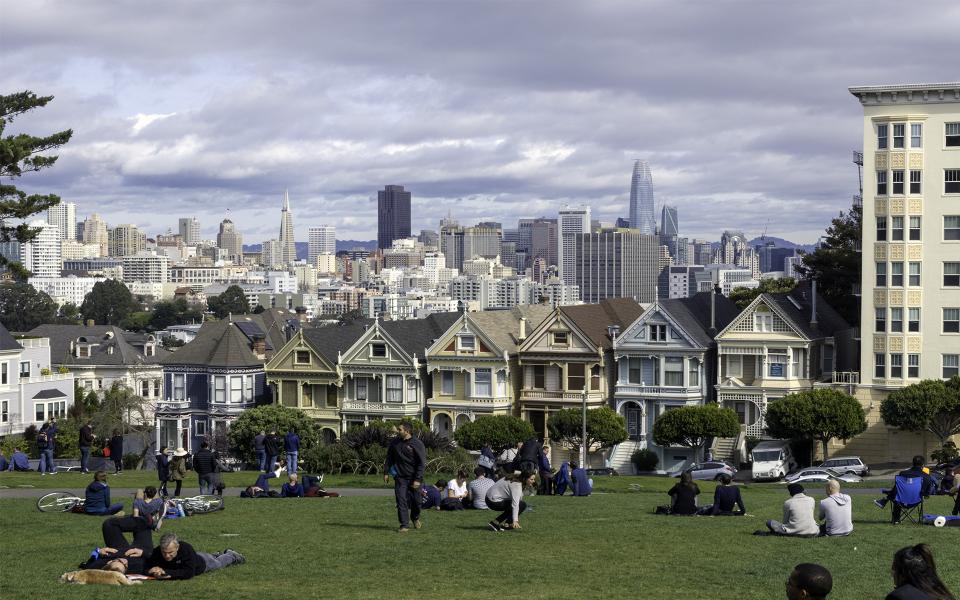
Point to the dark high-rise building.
(393, 215)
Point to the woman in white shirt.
(456, 492)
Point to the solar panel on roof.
(252, 330)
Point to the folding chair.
(908, 503)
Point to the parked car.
(846, 464)
(708, 470)
(772, 460)
(816, 474)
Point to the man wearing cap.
(797, 515)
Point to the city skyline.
(493, 135)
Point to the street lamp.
(583, 443)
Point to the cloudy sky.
(485, 110)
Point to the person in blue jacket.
(581, 484)
(562, 481)
(291, 445)
(292, 488)
(97, 497)
(4, 464)
(19, 461)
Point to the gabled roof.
(416, 335)
(7, 341)
(594, 319)
(503, 326)
(693, 315)
(111, 345)
(218, 344)
(331, 340)
(797, 305)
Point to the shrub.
(377, 433)
(335, 458)
(945, 454)
(264, 418)
(499, 431)
(644, 460)
(450, 462)
(435, 441)
(131, 460)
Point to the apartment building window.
(633, 370)
(951, 274)
(898, 182)
(881, 274)
(540, 377)
(880, 320)
(658, 333)
(916, 135)
(236, 389)
(951, 227)
(882, 131)
(881, 229)
(951, 365)
(913, 319)
(482, 383)
(576, 379)
(4, 411)
(951, 320)
(953, 135)
(896, 366)
(914, 229)
(896, 274)
(915, 182)
(361, 386)
(951, 181)
(673, 372)
(179, 387)
(896, 320)
(913, 365)
(881, 183)
(560, 338)
(896, 229)
(899, 129)
(879, 365)
(914, 274)
(219, 389)
(395, 388)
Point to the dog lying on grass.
(95, 576)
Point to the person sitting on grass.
(836, 511)
(4, 464)
(579, 482)
(174, 559)
(456, 493)
(292, 488)
(431, 496)
(955, 491)
(19, 461)
(477, 489)
(915, 576)
(507, 495)
(149, 507)
(797, 515)
(727, 500)
(809, 581)
(97, 497)
(562, 480)
(683, 496)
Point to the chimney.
(301, 314)
(813, 303)
(523, 329)
(613, 331)
(713, 309)
(259, 346)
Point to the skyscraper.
(573, 222)
(230, 240)
(393, 215)
(669, 224)
(190, 231)
(126, 240)
(64, 217)
(95, 232)
(288, 250)
(641, 199)
(322, 239)
(617, 263)
(41, 255)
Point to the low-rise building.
(32, 390)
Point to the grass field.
(608, 545)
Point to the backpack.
(42, 440)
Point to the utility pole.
(583, 443)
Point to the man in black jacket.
(406, 460)
(205, 463)
(926, 488)
(272, 445)
(174, 559)
(529, 455)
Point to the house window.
(4, 375)
(879, 365)
(915, 185)
(595, 378)
(896, 320)
(83, 351)
(693, 373)
(951, 227)
(882, 131)
(200, 428)
(951, 365)
(896, 229)
(219, 389)
(881, 183)
(916, 135)
(673, 372)
(4, 411)
(880, 320)
(914, 229)
(394, 388)
(898, 182)
(361, 385)
(896, 366)
(896, 274)
(658, 333)
(913, 319)
(777, 362)
(302, 357)
(633, 370)
(762, 322)
(951, 181)
(306, 395)
(827, 359)
(501, 384)
(179, 387)
(951, 274)
(411, 390)
(953, 135)
(881, 274)
(248, 388)
(25, 369)
(236, 389)
(539, 377)
(466, 343)
(881, 229)
(913, 365)
(40, 412)
(378, 350)
(914, 273)
(576, 376)
(951, 320)
(446, 383)
(734, 366)
(898, 134)
(560, 338)
(331, 396)
(145, 389)
(482, 383)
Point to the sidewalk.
(116, 493)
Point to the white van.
(772, 460)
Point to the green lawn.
(608, 545)
(139, 479)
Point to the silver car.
(708, 470)
(818, 475)
(846, 464)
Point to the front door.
(634, 418)
(538, 420)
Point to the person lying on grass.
(292, 488)
(130, 560)
(174, 559)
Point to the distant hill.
(303, 247)
(781, 243)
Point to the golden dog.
(95, 576)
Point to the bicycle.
(67, 501)
(59, 502)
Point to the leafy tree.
(605, 428)
(231, 302)
(499, 431)
(744, 296)
(930, 405)
(169, 342)
(177, 312)
(836, 263)
(69, 314)
(19, 154)
(692, 426)
(108, 303)
(136, 321)
(819, 415)
(350, 316)
(122, 409)
(22, 307)
(264, 418)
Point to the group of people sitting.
(533, 457)
(296, 487)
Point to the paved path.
(20, 492)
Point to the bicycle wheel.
(57, 502)
(203, 504)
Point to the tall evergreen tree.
(836, 263)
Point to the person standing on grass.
(205, 463)
(271, 445)
(178, 469)
(97, 497)
(406, 460)
(809, 581)
(836, 511)
(86, 440)
(797, 515)
(546, 473)
(163, 469)
(955, 491)
(915, 576)
(116, 451)
(259, 449)
(507, 495)
(291, 445)
(45, 446)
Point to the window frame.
(896, 229)
(299, 354)
(236, 389)
(881, 229)
(915, 227)
(447, 377)
(739, 362)
(914, 273)
(896, 319)
(902, 137)
(883, 136)
(879, 320)
(881, 183)
(573, 378)
(879, 365)
(200, 428)
(657, 332)
(897, 183)
(673, 360)
(397, 390)
(219, 389)
(487, 373)
(913, 366)
(24, 373)
(951, 233)
(896, 279)
(954, 368)
(950, 320)
(951, 279)
(913, 324)
(462, 346)
(182, 387)
(916, 135)
(364, 384)
(378, 350)
(560, 338)
(951, 135)
(896, 366)
(4, 411)
(951, 181)
(916, 181)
